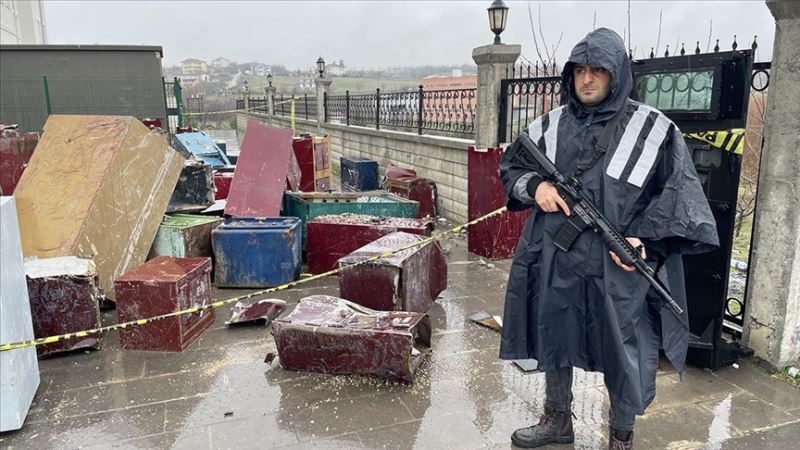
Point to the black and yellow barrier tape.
(221, 303)
(729, 140)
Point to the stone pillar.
(246, 97)
(322, 87)
(270, 99)
(772, 322)
(492, 61)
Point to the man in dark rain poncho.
(584, 308)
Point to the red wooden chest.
(63, 293)
(160, 286)
(332, 236)
(222, 184)
(330, 335)
(406, 281)
(497, 237)
(303, 148)
(15, 152)
(406, 184)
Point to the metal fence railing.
(445, 112)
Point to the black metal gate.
(523, 99)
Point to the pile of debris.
(107, 213)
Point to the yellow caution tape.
(220, 303)
(240, 110)
(730, 140)
(212, 112)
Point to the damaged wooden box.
(358, 174)
(331, 335)
(257, 252)
(200, 145)
(406, 184)
(497, 237)
(308, 205)
(313, 158)
(160, 286)
(266, 163)
(184, 236)
(19, 369)
(194, 191)
(222, 184)
(331, 237)
(96, 186)
(63, 292)
(15, 152)
(409, 280)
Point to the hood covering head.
(600, 48)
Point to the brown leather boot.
(619, 439)
(554, 426)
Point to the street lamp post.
(498, 14)
(322, 85)
(321, 67)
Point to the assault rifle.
(584, 215)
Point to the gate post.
(772, 316)
(492, 61)
(270, 99)
(322, 88)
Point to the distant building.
(260, 69)
(192, 66)
(307, 82)
(22, 22)
(191, 79)
(336, 69)
(444, 83)
(221, 63)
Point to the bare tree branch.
(533, 32)
(594, 21)
(555, 47)
(541, 33)
(629, 25)
(710, 28)
(658, 38)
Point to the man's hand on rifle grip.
(636, 243)
(548, 198)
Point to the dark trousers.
(558, 392)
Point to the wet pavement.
(219, 393)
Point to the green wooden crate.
(184, 236)
(307, 205)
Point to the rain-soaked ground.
(219, 393)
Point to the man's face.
(592, 84)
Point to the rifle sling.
(603, 142)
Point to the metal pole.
(47, 95)
(419, 112)
(347, 107)
(305, 100)
(378, 109)
(176, 90)
(325, 106)
(166, 106)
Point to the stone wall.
(441, 159)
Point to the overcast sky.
(387, 33)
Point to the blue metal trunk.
(359, 174)
(202, 147)
(257, 252)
